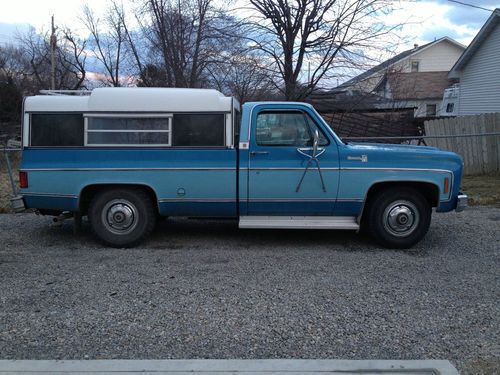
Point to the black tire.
(122, 217)
(398, 218)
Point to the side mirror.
(315, 142)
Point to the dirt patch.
(482, 190)
(483, 366)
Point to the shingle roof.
(417, 85)
(392, 61)
(354, 100)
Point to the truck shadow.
(211, 235)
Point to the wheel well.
(429, 190)
(88, 192)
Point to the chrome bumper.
(462, 202)
(17, 204)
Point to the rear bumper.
(462, 202)
(17, 204)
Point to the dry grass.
(5, 188)
(482, 190)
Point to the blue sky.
(461, 22)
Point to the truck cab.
(124, 156)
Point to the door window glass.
(290, 128)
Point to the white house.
(478, 72)
(414, 78)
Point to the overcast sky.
(428, 19)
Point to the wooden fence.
(481, 154)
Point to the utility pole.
(53, 43)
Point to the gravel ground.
(208, 290)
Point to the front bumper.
(462, 202)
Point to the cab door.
(284, 177)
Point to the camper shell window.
(130, 131)
(199, 130)
(56, 130)
(177, 130)
(109, 129)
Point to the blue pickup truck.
(125, 157)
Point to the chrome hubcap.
(401, 218)
(120, 216)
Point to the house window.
(56, 129)
(450, 107)
(199, 130)
(128, 131)
(414, 66)
(431, 110)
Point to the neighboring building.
(478, 71)
(414, 78)
(421, 90)
(450, 101)
(352, 113)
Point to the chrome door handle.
(259, 152)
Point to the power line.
(471, 5)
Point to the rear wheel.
(398, 217)
(122, 217)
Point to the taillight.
(446, 185)
(23, 180)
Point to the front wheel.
(398, 217)
(122, 217)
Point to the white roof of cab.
(133, 99)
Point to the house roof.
(416, 85)
(403, 55)
(348, 101)
(476, 43)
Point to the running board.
(299, 222)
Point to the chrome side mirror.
(315, 142)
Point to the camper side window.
(56, 130)
(178, 130)
(199, 130)
(128, 131)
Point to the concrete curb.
(230, 366)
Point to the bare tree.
(243, 76)
(133, 38)
(31, 65)
(183, 38)
(34, 58)
(306, 39)
(74, 57)
(108, 45)
(10, 94)
(179, 30)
